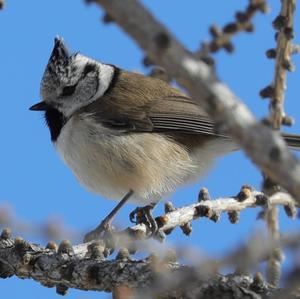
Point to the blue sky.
(36, 183)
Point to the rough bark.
(153, 277)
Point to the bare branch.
(221, 38)
(284, 24)
(173, 217)
(276, 257)
(285, 32)
(266, 149)
(69, 267)
(211, 209)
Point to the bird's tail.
(292, 140)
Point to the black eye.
(87, 69)
(68, 90)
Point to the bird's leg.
(106, 222)
(144, 215)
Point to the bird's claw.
(143, 215)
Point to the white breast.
(109, 164)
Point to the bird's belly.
(150, 164)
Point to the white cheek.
(106, 73)
(105, 76)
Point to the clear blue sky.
(37, 184)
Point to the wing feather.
(154, 106)
(179, 113)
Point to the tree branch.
(67, 269)
(283, 58)
(221, 38)
(173, 217)
(212, 209)
(284, 24)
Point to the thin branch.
(221, 38)
(276, 257)
(283, 63)
(284, 24)
(212, 209)
(173, 217)
(264, 147)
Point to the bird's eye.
(68, 90)
(88, 69)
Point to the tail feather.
(292, 140)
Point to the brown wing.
(141, 104)
(181, 114)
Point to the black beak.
(60, 51)
(41, 106)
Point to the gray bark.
(149, 277)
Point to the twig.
(284, 24)
(174, 217)
(272, 220)
(264, 147)
(276, 257)
(221, 38)
(211, 209)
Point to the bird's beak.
(41, 106)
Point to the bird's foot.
(143, 215)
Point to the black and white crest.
(72, 81)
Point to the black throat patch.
(55, 122)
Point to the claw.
(144, 215)
(133, 216)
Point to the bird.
(127, 136)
